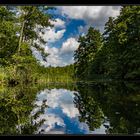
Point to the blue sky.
(70, 22)
(61, 116)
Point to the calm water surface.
(99, 108)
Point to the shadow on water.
(98, 108)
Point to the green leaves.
(122, 41)
(19, 29)
(8, 36)
(84, 55)
(114, 57)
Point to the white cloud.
(80, 12)
(58, 23)
(60, 113)
(100, 130)
(58, 98)
(51, 35)
(93, 15)
(62, 56)
(89, 13)
(49, 124)
(55, 98)
(69, 45)
(64, 99)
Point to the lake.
(96, 108)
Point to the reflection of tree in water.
(122, 107)
(32, 127)
(15, 108)
(89, 110)
(119, 101)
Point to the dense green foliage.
(57, 74)
(8, 38)
(20, 29)
(115, 54)
(85, 54)
(113, 102)
(18, 36)
(118, 57)
(16, 105)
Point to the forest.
(111, 55)
(115, 54)
(99, 90)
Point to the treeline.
(57, 74)
(20, 29)
(20, 34)
(116, 53)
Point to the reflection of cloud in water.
(61, 115)
(51, 121)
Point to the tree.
(85, 54)
(121, 39)
(21, 32)
(8, 38)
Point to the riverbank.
(8, 76)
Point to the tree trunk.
(21, 37)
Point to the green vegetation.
(116, 56)
(16, 105)
(116, 102)
(19, 34)
(57, 74)
(113, 102)
(113, 55)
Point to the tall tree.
(85, 54)
(8, 38)
(122, 42)
(22, 29)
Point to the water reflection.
(15, 107)
(120, 103)
(61, 116)
(99, 108)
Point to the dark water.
(98, 108)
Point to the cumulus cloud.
(62, 56)
(58, 23)
(93, 15)
(64, 99)
(100, 130)
(51, 35)
(90, 13)
(49, 124)
(57, 98)
(69, 45)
